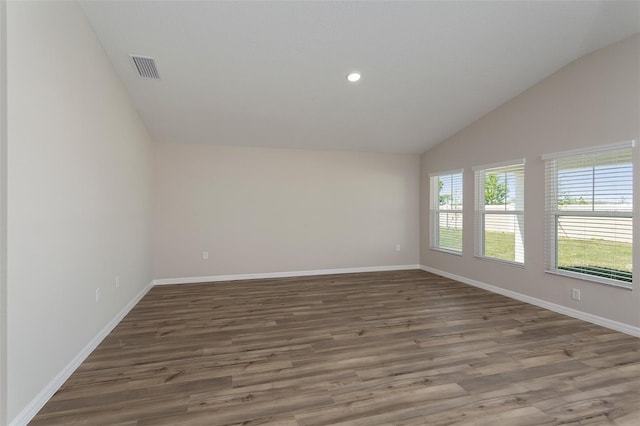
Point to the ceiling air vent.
(146, 66)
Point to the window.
(589, 211)
(446, 212)
(500, 211)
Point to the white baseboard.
(36, 404)
(574, 313)
(29, 412)
(216, 278)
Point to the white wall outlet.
(575, 294)
(397, 247)
(117, 281)
(98, 294)
(205, 255)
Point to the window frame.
(480, 213)
(552, 212)
(435, 211)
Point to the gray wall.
(593, 101)
(3, 212)
(78, 193)
(259, 210)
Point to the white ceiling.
(273, 73)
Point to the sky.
(609, 184)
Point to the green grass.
(500, 245)
(593, 256)
(596, 257)
(593, 252)
(451, 239)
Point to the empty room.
(319, 212)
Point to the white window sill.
(502, 261)
(441, 250)
(592, 278)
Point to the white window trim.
(515, 162)
(433, 223)
(480, 211)
(590, 150)
(551, 192)
(446, 172)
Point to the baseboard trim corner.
(574, 313)
(218, 278)
(36, 404)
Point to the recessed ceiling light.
(353, 77)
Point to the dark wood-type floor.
(394, 348)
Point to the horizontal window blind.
(499, 212)
(589, 211)
(446, 211)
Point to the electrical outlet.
(575, 294)
(118, 281)
(397, 247)
(205, 255)
(98, 294)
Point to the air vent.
(146, 66)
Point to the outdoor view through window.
(499, 231)
(589, 215)
(446, 212)
(588, 209)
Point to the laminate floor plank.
(395, 348)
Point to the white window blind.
(446, 211)
(499, 213)
(589, 214)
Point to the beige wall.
(261, 210)
(78, 194)
(593, 101)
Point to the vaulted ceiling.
(272, 74)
